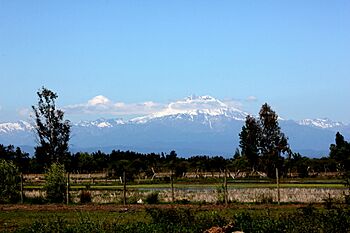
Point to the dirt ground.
(125, 208)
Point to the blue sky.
(294, 55)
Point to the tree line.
(136, 163)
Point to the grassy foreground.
(173, 218)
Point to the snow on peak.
(101, 123)
(194, 106)
(16, 126)
(324, 123)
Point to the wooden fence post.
(225, 187)
(172, 187)
(124, 188)
(278, 187)
(67, 188)
(22, 194)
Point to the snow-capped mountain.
(101, 123)
(323, 123)
(195, 107)
(195, 125)
(15, 127)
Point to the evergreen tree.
(340, 152)
(52, 131)
(249, 141)
(272, 141)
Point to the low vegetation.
(9, 182)
(269, 218)
(55, 184)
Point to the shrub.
(152, 198)
(9, 182)
(347, 198)
(220, 191)
(35, 200)
(85, 197)
(46, 225)
(264, 198)
(180, 216)
(329, 202)
(182, 201)
(55, 183)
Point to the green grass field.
(14, 217)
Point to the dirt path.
(122, 208)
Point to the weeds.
(306, 219)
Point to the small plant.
(244, 221)
(308, 210)
(152, 198)
(180, 216)
(220, 195)
(35, 200)
(182, 201)
(264, 199)
(55, 183)
(347, 198)
(85, 197)
(329, 202)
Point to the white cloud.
(24, 112)
(233, 103)
(252, 98)
(102, 105)
(99, 100)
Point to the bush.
(181, 216)
(183, 202)
(55, 183)
(85, 197)
(9, 182)
(264, 198)
(36, 200)
(220, 195)
(152, 198)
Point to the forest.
(135, 163)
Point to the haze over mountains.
(196, 125)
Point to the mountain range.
(196, 125)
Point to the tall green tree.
(272, 141)
(53, 132)
(249, 141)
(340, 152)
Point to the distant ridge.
(196, 125)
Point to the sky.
(142, 55)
